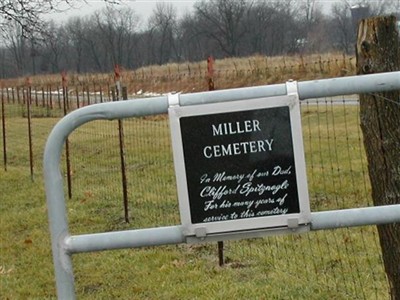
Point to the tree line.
(222, 28)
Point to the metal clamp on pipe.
(173, 100)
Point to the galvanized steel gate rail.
(64, 244)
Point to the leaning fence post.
(58, 97)
(77, 97)
(36, 97)
(18, 96)
(49, 94)
(29, 117)
(117, 79)
(94, 92)
(87, 94)
(378, 50)
(68, 162)
(44, 100)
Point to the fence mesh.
(345, 263)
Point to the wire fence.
(346, 262)
(185, 77)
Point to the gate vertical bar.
(58, 218)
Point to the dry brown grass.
(192, 77)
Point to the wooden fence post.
(378, 51)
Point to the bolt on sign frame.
(64, 245)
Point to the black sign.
(239, 165)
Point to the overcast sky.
(144, 8)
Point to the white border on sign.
(231, 226)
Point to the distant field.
(188, 77)
(340, 264)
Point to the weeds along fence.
(188, 77)
(340, 264)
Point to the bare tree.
(163, 28)
(343, 27)
(310, 17)
(54, 43)
(3, 63)
(116, 27)
(222, 28)
(260, 19)
(309, 12)
(17, 46)
(94, 47)
(368, 8)
(28, 14)
(286, 31)
(346, 15)
(377, 8)
(224, 22)
(75, 34)
(192, 45)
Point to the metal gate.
(65, 245)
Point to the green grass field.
(338, 264)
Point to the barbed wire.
(385, 98)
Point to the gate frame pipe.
(64, 245)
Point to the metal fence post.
(67, 157)
(29, 117)
(118, 93)
(3, 122)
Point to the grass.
(340, 264)
(190, 77)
